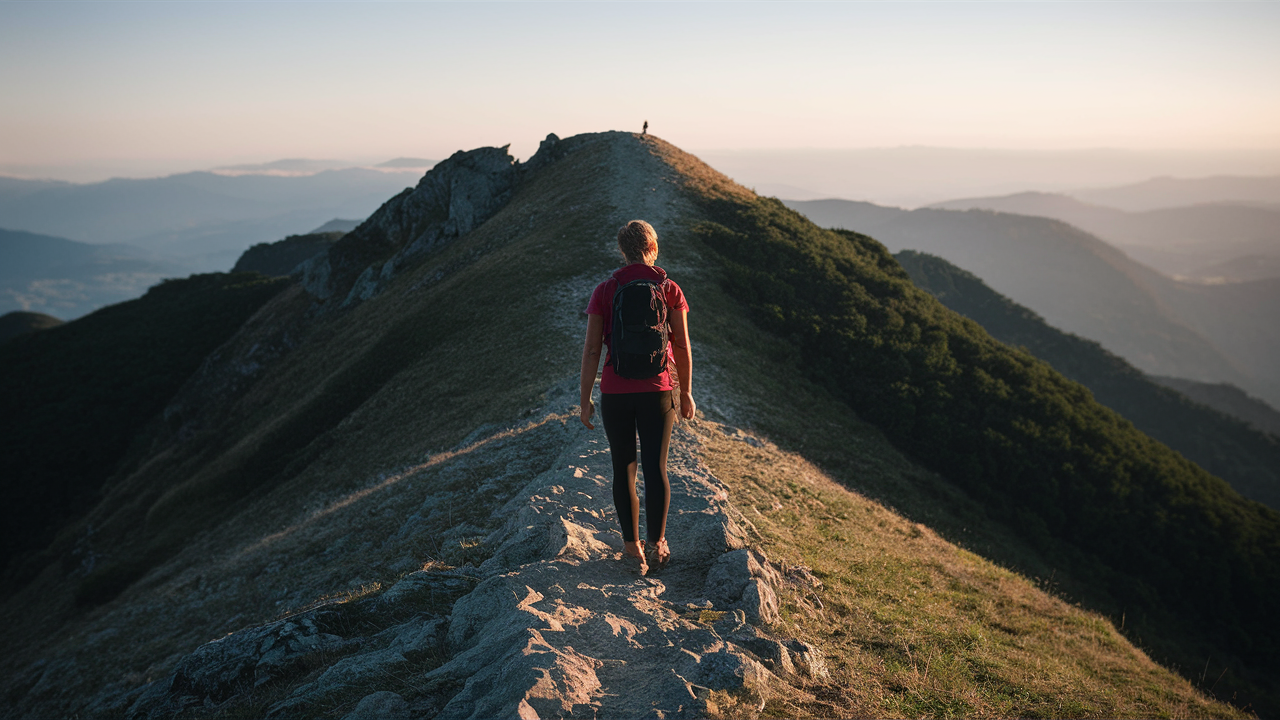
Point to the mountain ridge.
(314, 477)
(15, 323)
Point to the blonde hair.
(638, 242)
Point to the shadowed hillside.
(75, 396)
(392, 508)
(1225, 446)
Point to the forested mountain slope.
(1076, 282)
(1246, 458)
(379, 488)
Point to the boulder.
(218, 670)
(744, 579)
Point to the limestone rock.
(354, 671)
(432, 588)
(728, 670)
(418, 637)
(315, 276)
(539, 681)
(759, 602)
(772, 653)
(809, 659)
(451, 200)
(743, 578)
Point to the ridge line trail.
(572, 629)
(562, 624)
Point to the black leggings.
(651, 415)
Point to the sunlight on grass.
(916, 627)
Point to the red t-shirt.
(602, 304)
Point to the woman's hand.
(684, 362)
(590, 364)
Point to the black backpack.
(638, 338)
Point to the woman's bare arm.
(684, 360)
(590, 364)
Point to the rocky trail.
(556, 622)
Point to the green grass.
(915, 627)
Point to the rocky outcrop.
(451, 200)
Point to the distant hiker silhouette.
(645, 131)
(640, 316)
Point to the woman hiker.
(639, 395)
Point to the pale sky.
(137, 88)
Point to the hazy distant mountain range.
(1168, 192)
(917, 176)
(202, 219)
(304, 166)
(67, 249)
(1082, 285)
(1222, 241)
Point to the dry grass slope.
(916, 627)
